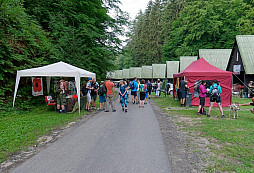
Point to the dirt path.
(180, 145)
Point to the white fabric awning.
(59, 69)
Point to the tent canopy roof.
(57, 69)
(201, 67)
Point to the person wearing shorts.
(149, 88)
(142, 89)
(182, 91)
(134, 91)
(249, 104)
(102, 97)
(88, 95)
(61, 97)
(216, 99)
(202, 95)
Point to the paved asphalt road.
(107, 143)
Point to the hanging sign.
(237, 69)
(37, 88)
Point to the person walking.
(134, 89)
(110, 95)
(215, 91)
(149, 88)
(123, 95)
(147, 94)
(138, 92)
(128, 90)
(158, 90)
(182, 91)
(88, 95)
(142, 89)
(202, 95)
(94, 90)
(102, 95)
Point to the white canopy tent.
(59, 69)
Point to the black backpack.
(57, 87)
(84, 90)
(132, 86)
(149, 86)
(102, 90)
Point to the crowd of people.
(140, 91)
(214, 91)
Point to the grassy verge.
(230, 140)
(20, 129)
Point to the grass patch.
(231, 140)
(20, 129)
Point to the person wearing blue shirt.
(123, 95)
(134, 89)
(215, 91)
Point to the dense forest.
(35, 33)
(168, 29)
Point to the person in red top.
(110, 94)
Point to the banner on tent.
(37, 88)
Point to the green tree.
(23, 43)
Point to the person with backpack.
(134, 89)
(123, 95)
(110, 95)
(102, 95)
(94, 90)
(142, 89)
(202, 95)
(215, 91)
(61, 91)
(149, 88)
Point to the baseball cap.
(89, 78)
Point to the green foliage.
(35, 33)
(23, 44)
(172, 28)
(206, 24)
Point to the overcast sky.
(133, 6)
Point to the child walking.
(123, 95)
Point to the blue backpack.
(142, 88)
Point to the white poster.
(37, 88)
(237, 69)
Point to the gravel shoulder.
(181, 146)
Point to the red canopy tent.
(202, 70)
